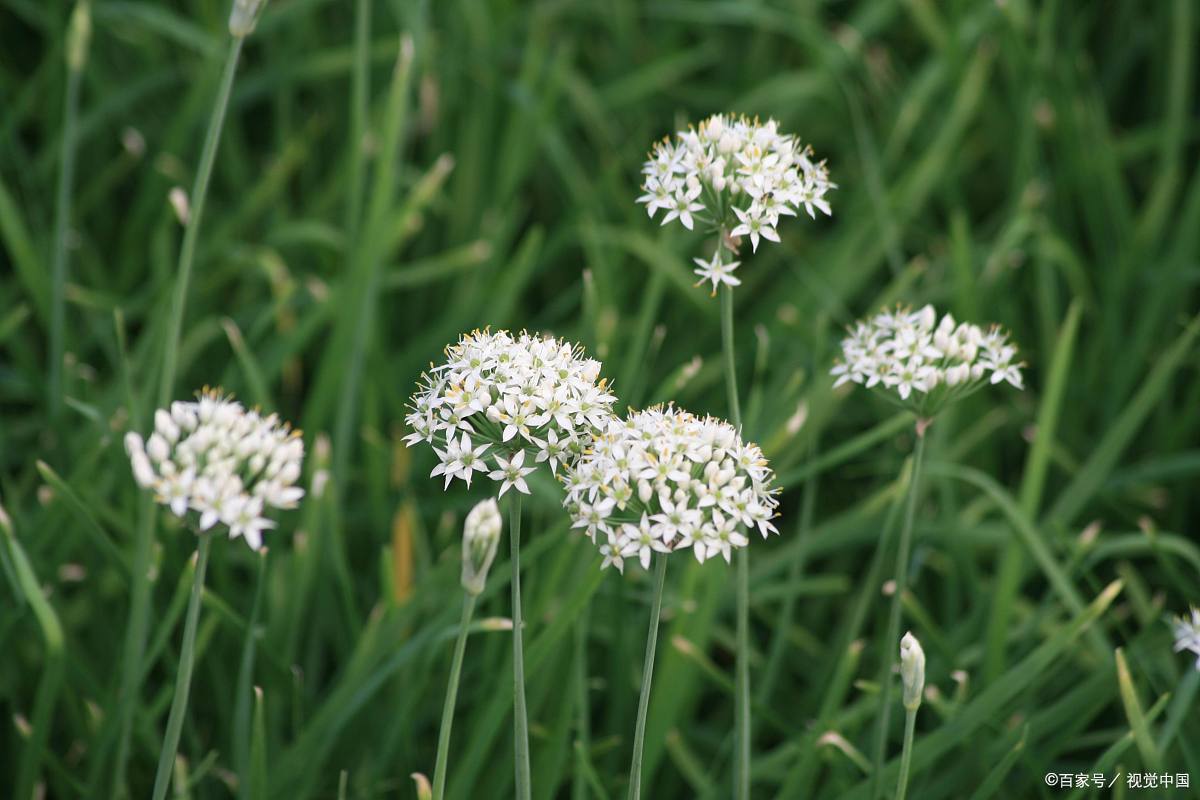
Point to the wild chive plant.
(481, 535)
(242, 19)
(660, 481)
(912, 682)
(923, 365)
(499, 405)
(737, 177)
(216, 466)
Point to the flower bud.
(244, 16)
(912, 671)
(79, 31)
(481, 535)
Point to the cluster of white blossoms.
(499, 397)
(736, 176)
(226, 464)
(663, 480)
(1187, 634)
(926, 363)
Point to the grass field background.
(1031, 164)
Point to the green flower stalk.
(183, 679)
(912, 682)
(639, 735)
(738, 178)
(522, 775)
(660, 481)
(481, 535)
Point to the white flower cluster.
(664, 480)
(225, 463)
(926, 362)
(512, 395)
(1187, 634)
(735, 175)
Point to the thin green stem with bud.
(742, 578)
(906, 757)
(522, 777)
(460, 647)
(639, 734)
(191, 232)
(900, 587)
(183, 679)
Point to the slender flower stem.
(183, 680)
(901, 586)
(187, 252)
(906, 757)
(460, 647)
(742, 760)
(520, 719)
(243, 712)
(139, 613)
(583, 735)
(731, 390)
(639, 734)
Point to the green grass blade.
(99, 536)
(53, 663)
(1090, 478)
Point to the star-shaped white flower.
(511, 473)
(717, 272)
(641, 540)
(754, 225)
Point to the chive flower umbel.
(663, 480)
(1187, 634)
(923, 364)
(501, 404)
(736, 177)
(215, 462)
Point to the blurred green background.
(1027, 163)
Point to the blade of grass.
(1137, 718)
(53, 663)
(995, 778)
(78, 34)
(1090, 478)
(1008, 578)
(98, 535)
(251, 372)
(1029, 537)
